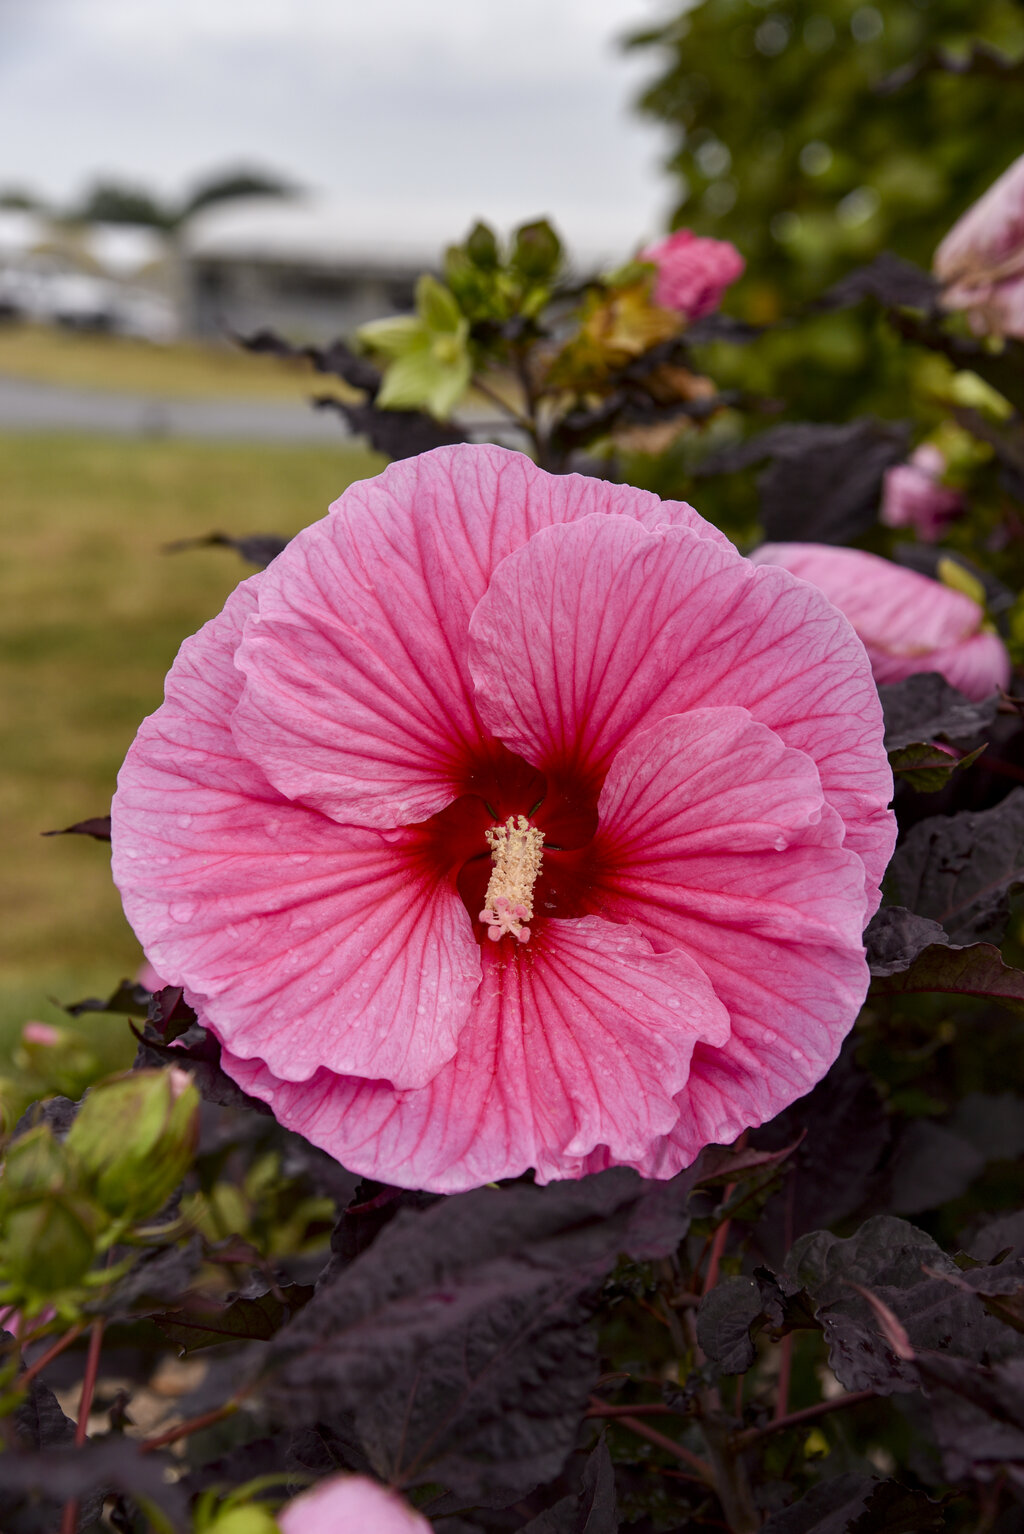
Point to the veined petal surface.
(716, 840)
(310, 943)
(583, 1041)
(594, 631)
(358, 699)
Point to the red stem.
(807, 1414)
(642, 1409)
(69, 1518)
(29, 1374)
(785, 1371)
(669, 1445)
(718, 1245)
(193, 1425)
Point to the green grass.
(184, 370)
(91, 615)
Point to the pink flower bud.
(350, 1504)
(693, 272)
(40, 1033)
(912, 495)
(981, 261)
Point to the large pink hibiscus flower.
(512, 821)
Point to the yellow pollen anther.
(516, 851)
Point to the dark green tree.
(117, 202)
(815, 133)
(237, 182)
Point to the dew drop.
(184, 821)
(182, 910)
(780, 844)
(769, 1035)
(673, 1002)
(272, 826)
(797, 1054)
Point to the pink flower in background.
(693, 272)
(913, 495)
(148, 978)
(512, 820)
(981, 260)
(350, 1504)
(908, 622)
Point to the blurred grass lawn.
(184, 370)
(91, 615)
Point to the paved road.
(28, 406)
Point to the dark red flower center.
(561, 804)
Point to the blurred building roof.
(21, 231)
(124, 250)
(319, 231)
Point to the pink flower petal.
(358, 699)
(892, 608)
(595, 631)
(308, 943)
(350, 1504)
(718, 841)
(580, 1041)
(907, 622)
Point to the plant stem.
(807, 1414)
(641, 1409)
(69, 1518)
(669, 1445)
(785, 1370)
(193, 1425)
(51, 1353)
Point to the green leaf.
(926, 766)
(392, 337)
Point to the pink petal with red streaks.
(717, 841)
(308, 943)
(579, 1041)
(358, 699)
(594, 631)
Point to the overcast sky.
(505, 107)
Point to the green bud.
(35, 1164)
(50, 1242)
(482, 247)
(135, 1137)
(251, 1519)
(537, 251)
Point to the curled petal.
(358, 699)
(578, 1041)
(308, 943)
(595, 631)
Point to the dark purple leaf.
(889, 280)
(894, 937)
(592, 1510)
(926, 708)
(823, 483)
(256, 548)
(198, 1052)
(29, 1482)
(129, 1000)
(975, 970)
(730, 1317)
(201, 1322)
(98, 827)
(395, 433)
(465, 1321)
(851, 1503)
(960, 870)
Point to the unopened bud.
(482, 247)
(50, 1242)
(537, 251)
(135, 1137)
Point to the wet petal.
(358, 699)
(595, 631)
(577, 1042)
(717, 841)
(310, 943)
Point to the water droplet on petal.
(182, 910)
(781, 843)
